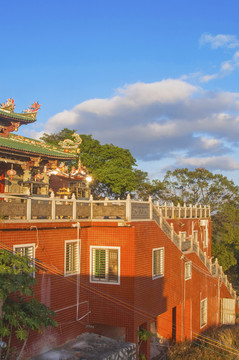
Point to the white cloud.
(227, 66)
(220, 40)
(206, 78)
(159, 120)
(210, 143)
(225, 41)
(214, 163)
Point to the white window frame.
(188, 270)
(162, 257)
(24, 246)
(70, 273)
(104, 281)
(203, 313)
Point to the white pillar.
(128, 208)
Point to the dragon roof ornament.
(71, 144)
(30, 112)
(9, 105)
(32, 109)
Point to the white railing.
(52, 208)
(184, 212)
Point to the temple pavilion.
(33, 167)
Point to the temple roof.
(21, 117)
(23, 145)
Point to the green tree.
(145, 187)
(225, 236)
(20, 312)
(203, 187)
(55, 138)
(200, 187)
(111, 167)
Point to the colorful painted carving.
(33, 109)
(9, 105)
(71, 144)
(31, 112)
(5, 130)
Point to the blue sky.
(158, 77)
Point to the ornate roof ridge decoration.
(28, 115)
(71, 145)
(9, 105)
(32, 109)
(23, 144)
(41, 143)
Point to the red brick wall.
(137, 300)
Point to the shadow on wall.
(111, 310)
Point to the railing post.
(216, 266)
(150, 208)
(160, 218)
(221, 271)
(191, 211)
(198, 247)
(172, 206)
(179, 212)
(128, 208)
(200, 211)
(91, 207)
(29, 209)
(205, 258)
(165, 209)
(185, 211)
(73, 207)
(210, 261)
(53, 206)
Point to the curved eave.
(26, 149)
(24, 119)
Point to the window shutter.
(188, 270)
(158, 262)
(105, 265)
(72, 257)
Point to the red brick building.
(113, 267)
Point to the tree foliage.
(225, 235)
(55, 138)
(111, 167)
(200, 187)
(20, 311)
